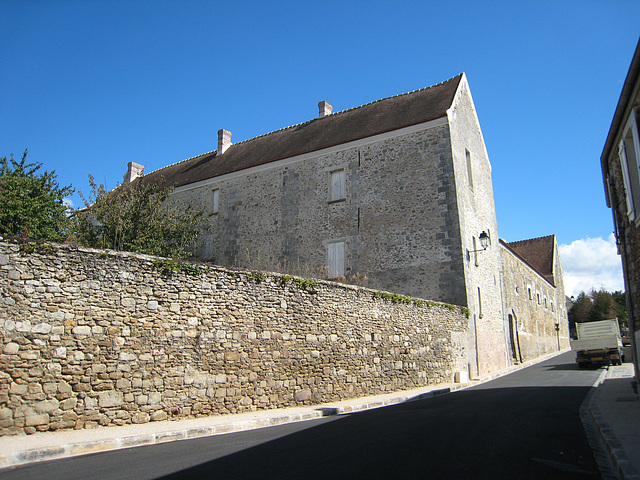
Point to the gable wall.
(476, 207)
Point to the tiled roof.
(354, 124)
(538, 253)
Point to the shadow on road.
(532, 432)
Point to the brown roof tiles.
(538, 253)
(361, 122)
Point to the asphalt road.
(522, 426)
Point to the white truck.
(599, 343)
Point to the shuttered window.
(215, 198)
(335, 259)
(629, 150)
(336, 185)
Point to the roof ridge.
(460, 75)
(530, 239)
(181, 161)
(346, 110)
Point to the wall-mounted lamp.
(485, 241)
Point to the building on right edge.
(620, 162)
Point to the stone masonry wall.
(398, 219)
(533, 308)
(91, 337)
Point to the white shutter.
(215, 198)
(627, 181)
(335, 254)
(337, 185)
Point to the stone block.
(68, 404)
(11, 348)
(60, 352)
(110, 399)
(128, 302)
(47, 406)
(43, 328)
(231, 356)
(23, 327)
(64, 387)
(303, 395)
(152, 305)
(18, 389)
(159, 416)
(82, 330)
(36, 420)
(140, 417)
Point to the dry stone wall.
(92, 338)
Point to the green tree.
(598, 305)
(32, 203)
(137, 217)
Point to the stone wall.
(533, 307)
(628, 240)
(473, 194)
(398, 218)
(93, 338)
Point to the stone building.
(620, 162)
(395, 194)
(534, 298)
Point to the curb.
(18, 458)
(83, 448)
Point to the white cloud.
(67, 202)
(591, 263)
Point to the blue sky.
(88, 86)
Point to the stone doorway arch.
(514, 339)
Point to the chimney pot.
(325, 109)
(134, 170)
(224, 141)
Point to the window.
(215, 199)
(629, 151)
(469, 170)
(475, 248)
(336, 185)
(335, 259)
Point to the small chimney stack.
(325, 109)
(134, 170)
(224, 141)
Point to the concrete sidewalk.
(613, 408)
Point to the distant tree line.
(136, 217)
(599, 305)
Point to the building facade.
(396, 195)
(534, 300)
(620, 163)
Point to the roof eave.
(629, 85)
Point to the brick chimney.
(325, 109)
(134, 170)
(224, 141)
